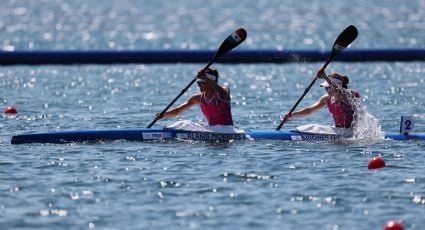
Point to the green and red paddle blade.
(233, 40)
(345, 39)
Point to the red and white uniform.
(217, 111)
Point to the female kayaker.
(213, 99)
(339, 100)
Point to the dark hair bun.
(345, 80)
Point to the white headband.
(334, 80)
(210, 76)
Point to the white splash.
(365, 125)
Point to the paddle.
(342, 41)
(233, 40)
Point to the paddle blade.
(231, 41)
(345, 39)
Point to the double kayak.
(152, 134)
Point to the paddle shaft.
(305, 92)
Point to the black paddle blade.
(345, 39)
(231, 41)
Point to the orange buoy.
(376, 163)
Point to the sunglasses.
(200, 83)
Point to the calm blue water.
(196, 185)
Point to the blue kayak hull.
(146, 134)
(136, 134)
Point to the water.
(242, 185)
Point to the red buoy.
(393, 225)
(376, 163)
(10, 110)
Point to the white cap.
(334, 80)
(210, 76)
